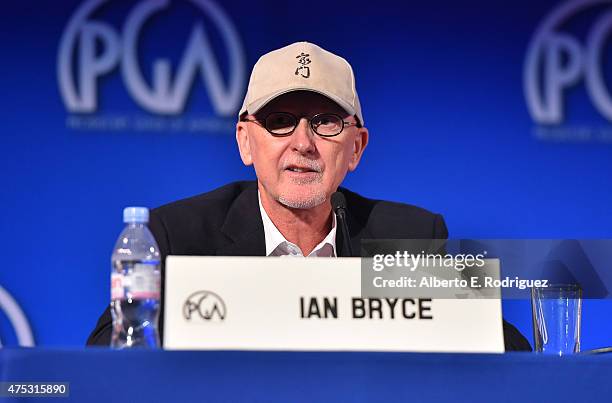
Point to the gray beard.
(313, 201)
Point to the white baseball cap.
(302, 66)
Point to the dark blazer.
(227, 222)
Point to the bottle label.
(117, 291)
(136, 281)
(144, 282)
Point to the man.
(302, 129)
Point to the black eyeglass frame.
(297, 122)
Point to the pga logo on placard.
(90, 49)
(205, 305)
(556, 60)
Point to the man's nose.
(303, 138)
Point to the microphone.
(338, 203)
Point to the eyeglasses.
(282, 124)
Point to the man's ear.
(244, 146)
(359, 144)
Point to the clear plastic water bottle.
(135, 283)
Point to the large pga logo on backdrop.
(17, 319)
(90, 49)
(557, 60)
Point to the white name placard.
(267, 303)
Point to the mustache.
(302, 162)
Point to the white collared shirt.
(277, 245)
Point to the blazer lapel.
(244, 227)
(357, 232)
(357, 215)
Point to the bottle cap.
(135, 215)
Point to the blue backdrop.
(445, 93)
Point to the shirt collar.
(274, 238)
